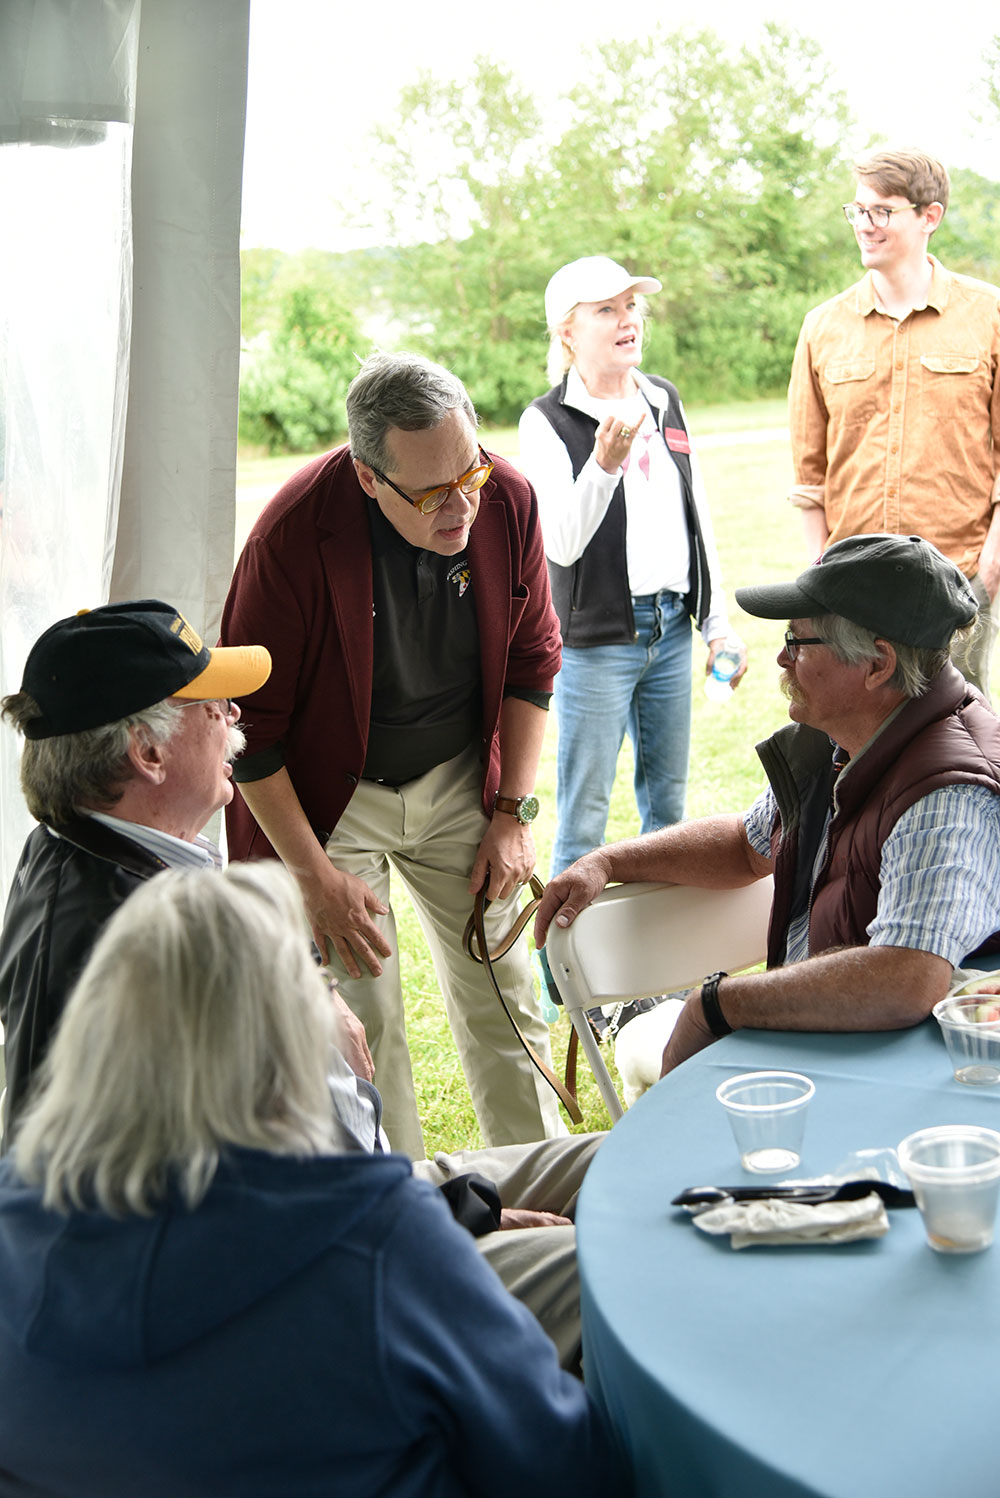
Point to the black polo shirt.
(427, 678)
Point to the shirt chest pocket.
(953, 387)
(849, 390)
(950, 364)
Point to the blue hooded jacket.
(315, 1326)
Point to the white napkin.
(775, 1221)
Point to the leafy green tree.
(715, 170)
(300, 358)
(719, 169)
(718, 172)
(462, 161)
(969, 237)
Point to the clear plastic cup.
(972, 1036)
(767, 1114)
(954, 1170)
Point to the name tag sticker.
(677, 439)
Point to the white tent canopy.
(121, 154)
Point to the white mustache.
(236, 742)
(789, 686)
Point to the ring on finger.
(625, 432)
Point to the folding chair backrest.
(640, 939)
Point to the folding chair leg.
(592, 1051)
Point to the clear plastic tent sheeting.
(66, 113)
(121, 139)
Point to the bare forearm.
(710, 852)
(522, 733)
(340, 906)
(278, 811)
(989, 557)
(507, 852)
(858, 988)
(815, 530)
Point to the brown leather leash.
(475, 945)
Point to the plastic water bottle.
(550, 1011)
(724, 668)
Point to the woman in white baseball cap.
(631, 554)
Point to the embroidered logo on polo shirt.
(460, 576)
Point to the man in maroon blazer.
(401, 588)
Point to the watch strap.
(524, 808)
(509, 804)
(711, 1008)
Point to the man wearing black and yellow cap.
(881, 819)
(130, 730)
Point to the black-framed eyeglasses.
(792, 643)
(878, 215)
(432, 499)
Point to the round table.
(841, 1372)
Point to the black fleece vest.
(592, 596)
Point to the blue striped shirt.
(940, 875)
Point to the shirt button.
(899, 363)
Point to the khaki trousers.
(429, 832)
(537, 1265)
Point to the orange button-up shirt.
(895, 426)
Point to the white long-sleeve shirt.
(571, 510)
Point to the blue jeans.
(603, 692)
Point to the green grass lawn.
(759, 540)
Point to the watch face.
(528, 809)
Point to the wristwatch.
(524, 808)
(712, 1009)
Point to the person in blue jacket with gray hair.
(206, 1287)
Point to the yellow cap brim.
(233, 671)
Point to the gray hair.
(916, 665)
(90, 768)
(199, 1022)
(560, 357)
(404, 391)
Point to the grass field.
(747, 466)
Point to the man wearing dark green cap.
(881, 819)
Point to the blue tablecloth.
(864, 1371)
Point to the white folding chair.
(641, 939)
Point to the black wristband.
(712, 1009)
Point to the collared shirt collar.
(175, 851)
(578, 396)
(937, 293)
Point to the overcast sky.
(324, 72)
